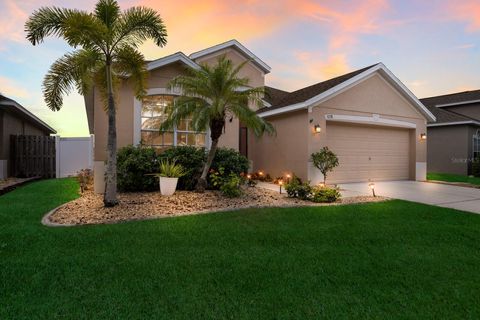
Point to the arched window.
(154, 113)
(476, 145)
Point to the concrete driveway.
(461, 198)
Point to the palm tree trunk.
(110, 195)
(202, 181)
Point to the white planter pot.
(168, 186)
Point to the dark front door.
(243, 143)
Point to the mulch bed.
(88, 209)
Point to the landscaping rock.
(89, 209)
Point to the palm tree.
(107, 42)
(210, 95)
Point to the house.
(454, 139)
(16, 120)
(368, 117)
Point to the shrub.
(230, 160)
(324, 194)
(190, 158)
(296, 189)
(85, 179)
(133, 164)
(325, 161)
(229, 185)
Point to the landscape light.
(280, 183)
(371, 185)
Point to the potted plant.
(170, 171)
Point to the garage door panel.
(368, 153)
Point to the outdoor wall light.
(423, 136)
(371, 185)
(317, 128)
(288, 176)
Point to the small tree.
(325, 161)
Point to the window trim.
(138, 105)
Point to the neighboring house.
(16, 120)
(454, 139)
(368, 117)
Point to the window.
(476, 145)
(154, 114)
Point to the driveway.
(460, 198)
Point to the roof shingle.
(313, 90)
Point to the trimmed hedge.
(133, 163)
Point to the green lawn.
(448, 177)
(385, 260)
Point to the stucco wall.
(284, 152)
(250, 71)
(372, 96)
(448, 149)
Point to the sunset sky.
(432, 46)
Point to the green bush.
(229, 185)
(295, 188)
(230, 160)
(324, 194)
(133, 163)
(190, 158)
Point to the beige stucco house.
(368, 117)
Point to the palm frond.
(73, 70)
(77, 27)
(107, 11)
(137, 24)
(130, 61)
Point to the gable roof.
(12, 105)
(448, 117)
(233, 44)
(453, 99)
(309, 96)
(176, 57)
(273, 95)
(306, 93)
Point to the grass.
(448, 177)
(384, 260)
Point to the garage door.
(368, 152)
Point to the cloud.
(467, 11)
(11, 88)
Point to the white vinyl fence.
(73, 155)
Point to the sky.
(431, 46)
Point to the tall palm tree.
(107, 42)
(210, 95)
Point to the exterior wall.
(374, 96)
(250, 71)
(284, 152)
(448, 149)
(230, 138)
(13, 125)
(470, 110)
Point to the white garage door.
(368, 153)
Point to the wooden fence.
(32, 156)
